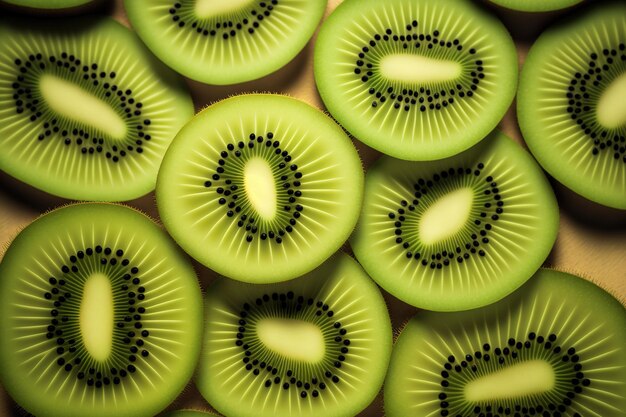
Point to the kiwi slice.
(225, 42)
(87, 111)
(48, 4)
(457, 233)
(536, 5)
(101, 315)
(317, 345)
(556, 347)
(571, 105)
(260, 188)
(415, 80)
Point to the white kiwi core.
(524, 379)
(73, 102)
(611, 110)
(209, 8)
(294, 339)
(260, 187)
(417, 69)
(446, 216)
(97, 316)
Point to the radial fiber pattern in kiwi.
(536, 5)
(567, 324)
(47, 365)
(510, 228)
(241, 376)
(567, 73)
(226, 46)
(425, 118)
(66, 156)
(316, 173)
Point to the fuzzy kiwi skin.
(434, 336)
(20, 387)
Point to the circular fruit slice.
(315, 346)
(536, 5)
(87, 112)
(225, 42)
(571, 108)
(556, 347)
(415, 80)
(260, 188)
(457, 233)
(101, 315)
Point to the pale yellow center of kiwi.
(97, 316)
(523, 379)
(446, 216)
(414, 69)
(295, 339)
(209, 8)
(611, 110)
(71, 101)
(260, 187)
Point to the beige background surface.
(591, 240)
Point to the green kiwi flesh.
(457, 233)
(317, 345)
(48, 4)
(260, 188)
(225, 42)
(101, 315)
(536, 5)
(87, 111)
(556, 347)
(415, 80)
(571, 105)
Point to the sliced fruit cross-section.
(101, 315)
(556, 347)
(260, 188)
(457, 233)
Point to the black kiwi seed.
(183, 17)
(297, 379)
(62, 304)
(101, 84)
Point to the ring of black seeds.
(245, 21)
(399, 97)
(584, 92)
(64, 307)
(565, 361)
(291, 374)
(91, 78)
(491, 211)
(231, 191)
